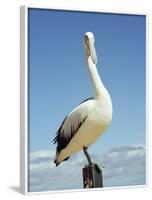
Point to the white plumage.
(88, 121)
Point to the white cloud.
(124, 166)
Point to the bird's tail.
(56, 159)
(57, 162)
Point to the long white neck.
(98, 87)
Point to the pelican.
(87, 122)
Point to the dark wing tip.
(56, 162)
(58, 132)
(54, 140)
(66, 158)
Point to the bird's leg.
(87, 155)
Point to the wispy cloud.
(123, 166)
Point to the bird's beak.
(90, 49)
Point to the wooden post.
(92, 176)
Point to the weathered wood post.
(92, 174)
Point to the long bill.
(89, 47)
(92, 50)
(98, 86)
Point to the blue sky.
(58, 76)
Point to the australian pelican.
(89, 119)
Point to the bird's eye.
(86, 37)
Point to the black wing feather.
(62, 139)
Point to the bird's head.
(89, 46)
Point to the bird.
(89, 120)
